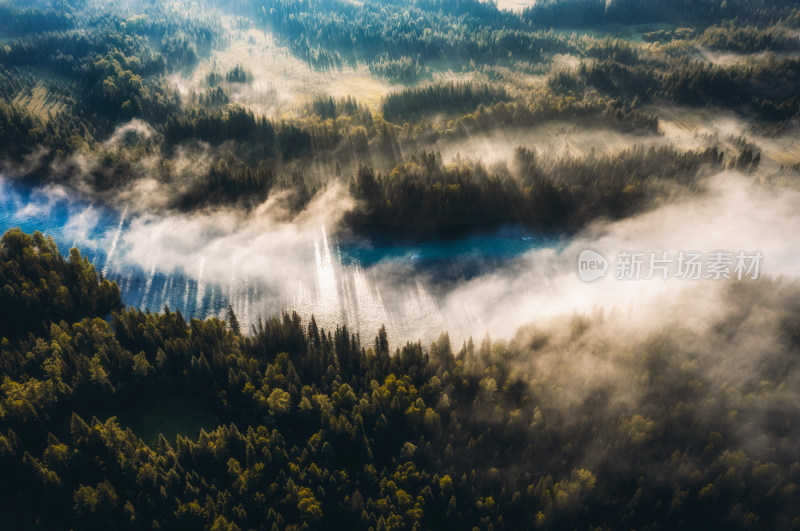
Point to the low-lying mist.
(733, 214)
(279, 82)
(264, 261)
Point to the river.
(361, 282)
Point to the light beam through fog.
(235, 160)
(201, 263)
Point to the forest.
(312, 428)
(100, 69)
(323, 166)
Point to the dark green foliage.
(233, 321)
(16, 21)
(213, 79)
(403, 70)
(315, 430)
(440, 97)
(748, 39)
(216, 97)
(598, 13)
(238, 75)
(766, 87)
(769, 87)
(398, 38)
(104, 66)
(179, 50)
(236, 123)
(39, 286)
(328, 108)
(218, 126)
(104, 61)
(561, 194)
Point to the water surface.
(360, 282)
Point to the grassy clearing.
(167, 413)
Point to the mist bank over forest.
(150, 105)
(281, 118)
(548, 427)
(262, 261)
(253, 163)
(229, 121)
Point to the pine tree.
(233, 321)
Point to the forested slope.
(319, 428)
(93, 96)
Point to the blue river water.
(504, 243)
(339, 282)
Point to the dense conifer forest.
(307, 427)
(193, 150)
(72, 74)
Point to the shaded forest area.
(73, 75)
(570, 424)
(562, 194)
(322, 428)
